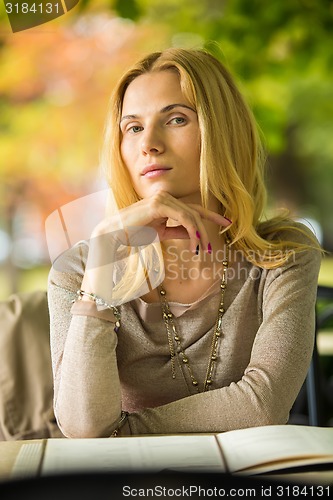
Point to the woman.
(192, 315)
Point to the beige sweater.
(264, 353)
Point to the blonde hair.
(232, 157)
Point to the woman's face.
(160, 142)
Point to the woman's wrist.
(98, 304)
(88, 308)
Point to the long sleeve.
(87, 399)
(278, 364)
(266, 347)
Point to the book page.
(276, 447)
(151, 453)
(28, 460)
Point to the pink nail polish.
(209, 248)
(198, 235)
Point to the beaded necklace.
(174, 338)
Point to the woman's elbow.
(269, 415)
(83, 428)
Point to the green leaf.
(128, 9)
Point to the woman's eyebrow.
(166, 109)
(171, 106)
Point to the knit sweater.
(263, 357)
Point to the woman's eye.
(134, 129)
(178, 120)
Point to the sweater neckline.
(151, 311)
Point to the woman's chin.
(186, 195)
(181, 193)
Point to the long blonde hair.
(232, 157)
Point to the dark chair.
(313, 383)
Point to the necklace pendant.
(175, 342)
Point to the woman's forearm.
(88, 398)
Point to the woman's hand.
(141, 224)
(154, 212)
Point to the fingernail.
(198, 235)
(209, 248)
(197, 250)
(229, 220)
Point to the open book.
(246, 451)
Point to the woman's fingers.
(198, 214)
(155, 212)
(212, 216)
(189, 222)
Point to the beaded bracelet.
(102, 304)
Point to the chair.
(26, 386)
(313, 383)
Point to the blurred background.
(55, 83)
(56, 79)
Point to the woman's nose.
(152, 143)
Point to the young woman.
(192, 314)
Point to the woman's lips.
(156, 172)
